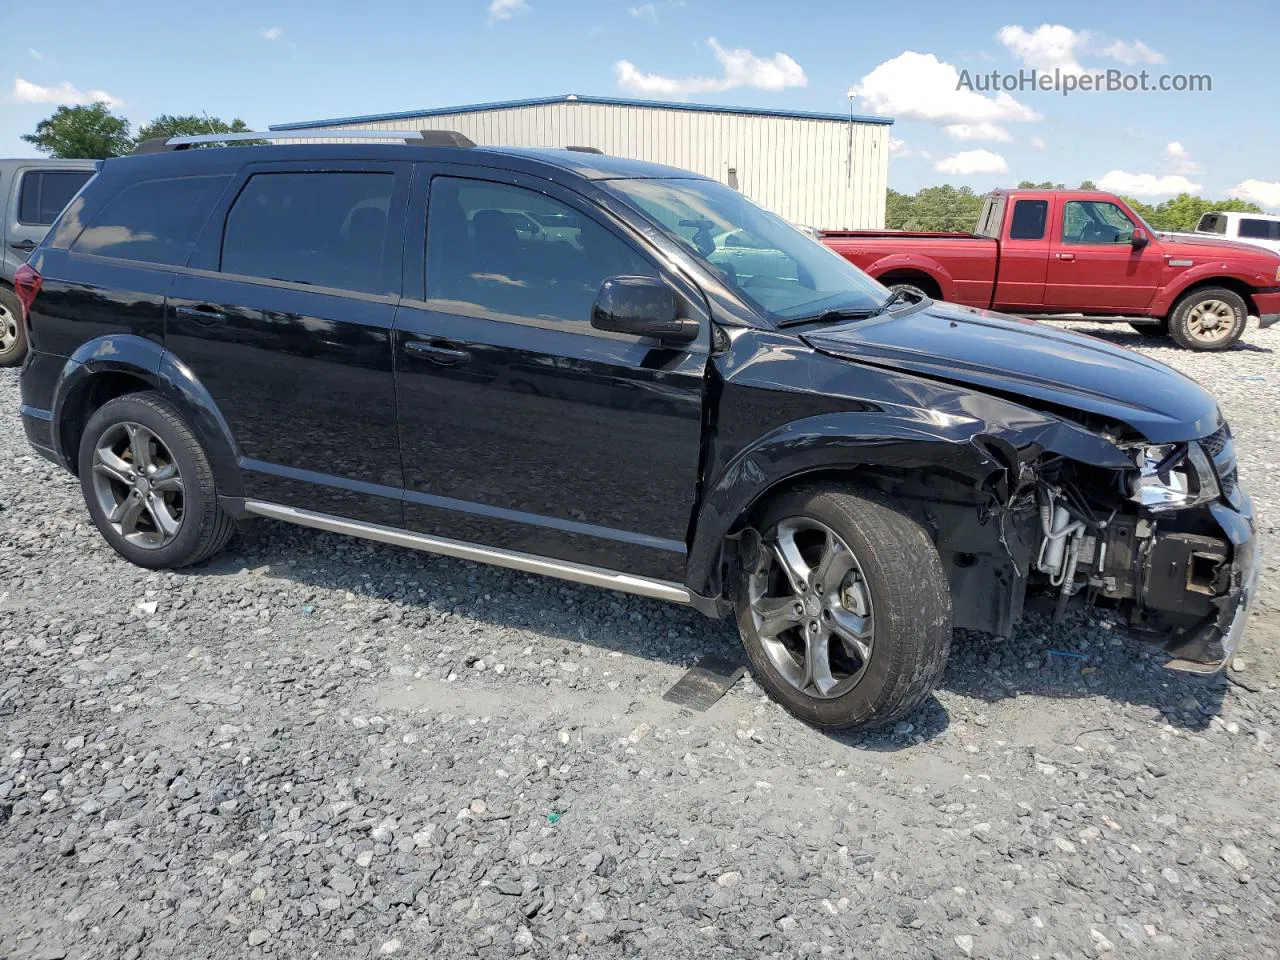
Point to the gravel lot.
(318, 747)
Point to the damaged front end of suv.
(1051, 470)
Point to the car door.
(36, 197)
(1024, 256)
(1094, 266)
(522, 427)
(285, 316)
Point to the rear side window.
(1029, 217)
(1213, 223)
(44, 193)
(323, 229)
(154, 221)
(1260, 229)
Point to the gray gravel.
(317, 747)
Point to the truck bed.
(968, 260)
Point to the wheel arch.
(917, 278)
(118, 364)
(820, 452)
(905, 266)
(1169, 302)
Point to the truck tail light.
(26, 284)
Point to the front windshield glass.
(775, 267)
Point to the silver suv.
(32, 194)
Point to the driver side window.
(507, 253)
(1095, 221)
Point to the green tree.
(1087, 185)
(83, 133)
(1046, 185)
(191, 125)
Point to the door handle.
(439, 351)
(1066, 256)
(23, 245)
(203, 314)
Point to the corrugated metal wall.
(794, 166)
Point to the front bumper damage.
(1210, 646)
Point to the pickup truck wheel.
(148, 484)
(844, 608)
(1152, 330)
(13, 332)
(1211, 318)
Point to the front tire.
(844, 608)
(13, 331)
(1211, 318)
(148, 484)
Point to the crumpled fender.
(150, 362)
(896, 420)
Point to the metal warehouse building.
(821, 169)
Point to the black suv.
(620, 374)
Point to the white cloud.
(1180, 161)
(646, 11)
(1039, 143)
(64, 93)
(272, 33)
(1146, 184)
(506, 9)
(741, 68)
(972, 161)
(1047, 47)
(35, 54)
(1053, 46)
(1136, 52)
(919, 86)
(978, 131)
(1265, 193)
(898, 146)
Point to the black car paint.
(598, 449)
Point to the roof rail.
(586, 150)
(423, 138)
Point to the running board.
(526, 562)
(1091, 318)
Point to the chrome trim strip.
(527, 562)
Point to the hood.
(1030, 359)
(1205, 246)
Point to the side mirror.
(642, 307)
(1139, 238)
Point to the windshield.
(779, 270)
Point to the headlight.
(1172, 477)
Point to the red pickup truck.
(1067, 253)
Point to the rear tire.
(148, 484)
(1211, 318)
(917, 292)
(854, 629)
(13, 330)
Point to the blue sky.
(275, 61)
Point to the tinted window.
(494, 249)
(782, 272)
(44, 193)
(1259, 229)
(155, 221)
(324, 229)
(1213, 223)
(1028, 219)
(1095, 221)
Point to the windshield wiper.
(827, 316)
(898, 296)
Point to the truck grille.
(1222, 451)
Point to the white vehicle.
(1259, 229)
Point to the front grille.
(1222, 451)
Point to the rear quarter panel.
(963, 267)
